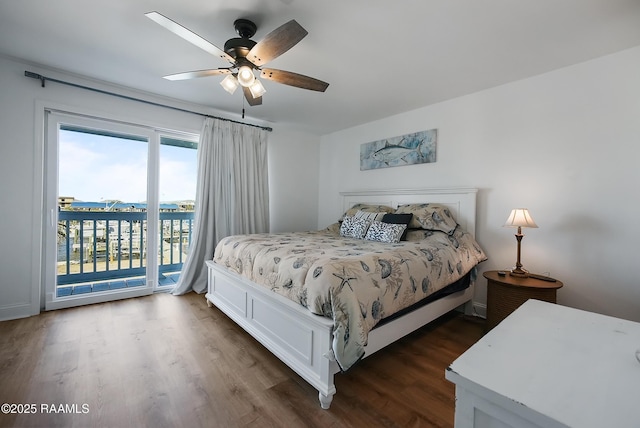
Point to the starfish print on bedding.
(345, 279)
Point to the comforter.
(355, 282)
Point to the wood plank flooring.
(167, 361)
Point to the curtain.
(232, 194)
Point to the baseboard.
(14, 312)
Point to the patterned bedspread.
(353, 281)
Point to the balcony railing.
(104, 245)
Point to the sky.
(94, 168)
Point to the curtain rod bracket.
(36, 76)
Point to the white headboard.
(461, 201)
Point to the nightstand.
(506, 293)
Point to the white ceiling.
(380, 57)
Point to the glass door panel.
(97, 194)
(177, 189)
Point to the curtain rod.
(43, 79)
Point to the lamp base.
(519, 272)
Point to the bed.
(305, 297)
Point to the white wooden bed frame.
(303, 340)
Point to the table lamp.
(519, 218)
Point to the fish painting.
(393, 152)
(416, 148)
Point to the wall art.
(409, 149)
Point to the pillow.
(385, 232)
(333, 228)
(417, 234)
(399, 219)
(371, 216)
(367, 208)
(430, 217)
(354, 227)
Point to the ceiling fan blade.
(276, 43)
(294, 79)
(252, 101)
(189, 35)
(198, 73)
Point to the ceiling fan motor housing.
(238, 47)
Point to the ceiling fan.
(245, 56)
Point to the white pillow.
(371, 216)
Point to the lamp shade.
(230, 84)
(256, 89)
(520, 217)
(246, 76)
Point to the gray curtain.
(232, 194)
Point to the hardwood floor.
(167, 361)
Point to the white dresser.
(548, 365)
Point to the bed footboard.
(299, 338)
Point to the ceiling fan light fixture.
(246, 76)
(245, 56)
(256, 89)
(230, 83)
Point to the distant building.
(187, 205)
(64, 202)
(69, 203)
(120, 206)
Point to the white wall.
(293, 174)
(565, 144)
(21, 169)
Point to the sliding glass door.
(105, 224)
